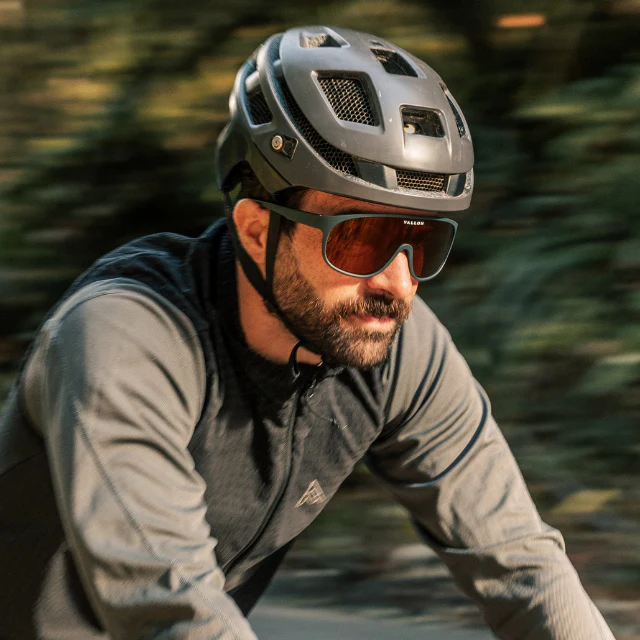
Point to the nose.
(396, 279)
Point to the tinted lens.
(362, 246)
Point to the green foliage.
(560, 259)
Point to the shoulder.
(423, 362)
(122, 331)
(120, 313)
(418, 344)
(420, 327)
(127, 304)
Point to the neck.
(264, 332)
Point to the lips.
(374, 320)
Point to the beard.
(326, 330)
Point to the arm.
(446, 461)
(116, 385)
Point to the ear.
(252, 223)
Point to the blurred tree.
(113, 110)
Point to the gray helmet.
(351, 114)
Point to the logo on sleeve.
(312, 495)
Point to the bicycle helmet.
(350, 114)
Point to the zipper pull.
(310, 392)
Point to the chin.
(365, 356)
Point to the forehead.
(329, 204)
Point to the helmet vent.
(349, 100)
(456, 114)
(421, 181)
(338, 159)
(394, 63)
(274, 51)
(319, 40)
(422, 122)
(259, 109)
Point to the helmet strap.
(273, 236)
(252, 272)
(249, 267)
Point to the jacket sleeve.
(444, 458)
(116, 385)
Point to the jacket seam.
(21, 462)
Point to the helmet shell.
(359, 117)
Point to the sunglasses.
(364, 244)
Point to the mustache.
(376, 306)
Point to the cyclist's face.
(350, 320)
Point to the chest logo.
(312, 495)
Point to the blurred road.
(271, 622)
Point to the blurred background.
(109, 111)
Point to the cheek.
(329, 284)
(307, 248)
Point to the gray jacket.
(152, 467)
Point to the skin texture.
(320, 301)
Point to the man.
(191, 404)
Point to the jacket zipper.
(242, 554)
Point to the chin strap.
(293, 360)
(262, 286)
